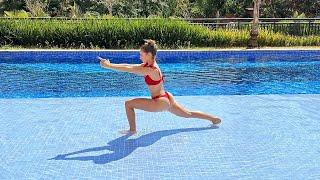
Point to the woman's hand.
(104, 62)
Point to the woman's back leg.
(179, 110)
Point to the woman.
(161, 100)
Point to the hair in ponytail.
(149, 47)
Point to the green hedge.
(124, 33)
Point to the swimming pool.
(60, 114)
(78, 74)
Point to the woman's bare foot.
(216, 120)
(127, 132)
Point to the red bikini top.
(148, 79)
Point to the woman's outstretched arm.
(134, 68)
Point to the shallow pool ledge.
(261, 137)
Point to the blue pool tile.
(261, 137)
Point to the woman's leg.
(145, 104)
(179, 110)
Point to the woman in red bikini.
(161, 100)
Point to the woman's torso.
(156, 88)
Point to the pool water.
(78, 74)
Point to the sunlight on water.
(186, 73)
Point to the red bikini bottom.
(163, 95)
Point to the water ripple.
(231, 76)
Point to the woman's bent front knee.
(128, 103)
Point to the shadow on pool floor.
(123, 147)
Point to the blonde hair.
(150, 47)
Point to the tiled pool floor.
(262, 137)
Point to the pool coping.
(167, 50)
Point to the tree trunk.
(253, 41)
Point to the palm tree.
(253, 42)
